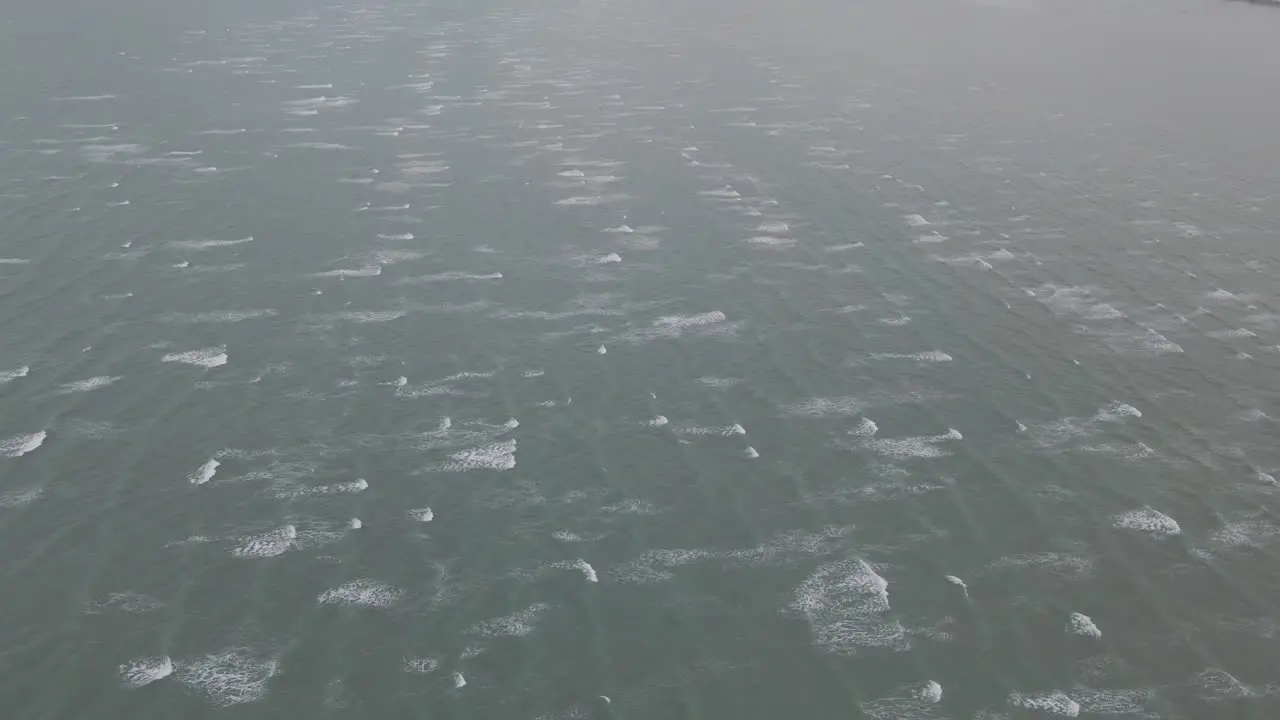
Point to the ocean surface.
(556, 359)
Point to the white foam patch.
(913, 702)
(1126, 701)
(1219, 685)
(1065, 564)
(20, 498)
(494, 456)
(451, 276)
(355, 523)
(366, 316)
(210, 357)
(88, 384)
(1148, 520)
(625, 229)
(1055, 702)
(204, 473)
(654, 565)
(230, 677)
(144, 671)
(657, 421)
(268, 544)
(396, 236)
(845, 603)
(958, 583)
(421, 665)
(221, 316)
(20, 445)
(208, 244)
(772, 241)
(422, 515)
(517, 624)
(362, 593)
(11, 375)
(922, 446)
(1081, 624)
(727, 431)
(930, 356)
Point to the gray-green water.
(639, 359)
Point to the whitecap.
(205, 473)
(1081, 624)
(355, 523)
(750, 453)
(914, 220)
(361, 593)
(144, 671)
(395, 236)
(459, 681)
(20, 445)
(587, 571)
(657, 421)
(602, 350)
(958, 583)
(422, 515)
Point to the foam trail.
(205, 473)
(210, 357)
(144, 671)
(10, 375)
(20, 445)
(1080, 624)
(88, 384)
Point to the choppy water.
(623, 358)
